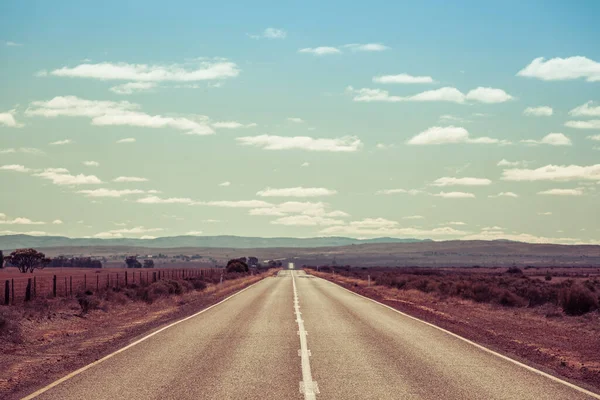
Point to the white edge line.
(520, 364)
(82, 369)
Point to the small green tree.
(132, 262)
(236, 265)
(27, 260)
(1, 259)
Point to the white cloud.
(394, 231)
(518, 237)
(591, 124)
(448, 94)
(586, 110)
(26, 150)
(557, 69)
(595, 137)
(505, 163)
(15, 167)
(122, 179)
(504, 194)
(455, 223)
(488, 95)
(232, 125)
(61, 176)
(269, 142)
(402, 78)
(366, 47)
(124, 113)
(305, 164)
(133, 87)
(455, 195)
(91, 163)
(8, 119)
(296, 120)
(271, 33)
(563, 192)
(545, 213)
(235, 204)
(414, 217)
(305, 220)
(552, 139)
(151, 73)
(126, 140)
(321, 51)
(449, 181)
(110, 192)
(554, 173)
(57, 222)
(12, 44)
(225, 184)
(543, 111)
(412, 192)
(194, 233)
(61, 142)
(373, 223)
(452, 118)
(449, 135)
(296, 207)
(170, 200)
(31, 233)
(296, 192)
(20, 221)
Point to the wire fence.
(25, 288)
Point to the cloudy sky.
(406, 119)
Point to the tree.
(236, 265)
(252, 261)
(148, 263)
(27, 260)
(132, 262)
(1, 259)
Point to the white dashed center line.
(307, 386)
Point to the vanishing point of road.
(295, 336)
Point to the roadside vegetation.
(505, 287)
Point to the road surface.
(299, 337)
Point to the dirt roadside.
(543, 337)
(47, 343)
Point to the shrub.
(87, 303)
(548, 277)
(578, 300)
(514, 270)
(198, 284)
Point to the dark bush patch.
(578, 299)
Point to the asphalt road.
(249, 347)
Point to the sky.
(479, 120)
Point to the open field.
(521, 315)
(65, 282)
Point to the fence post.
(34, 287)
(107, 281)
(117, 280)
(84, 282)
(28, 290)
(71, 285)
(12, 281)
(125, 278)
(54, 286)
(97, 283)
(66, 288)
(154, 277)
(147, 275)
(7, 292)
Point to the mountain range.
(10, 242)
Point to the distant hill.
(10, 242)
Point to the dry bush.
(9, 328)
(578, 299)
